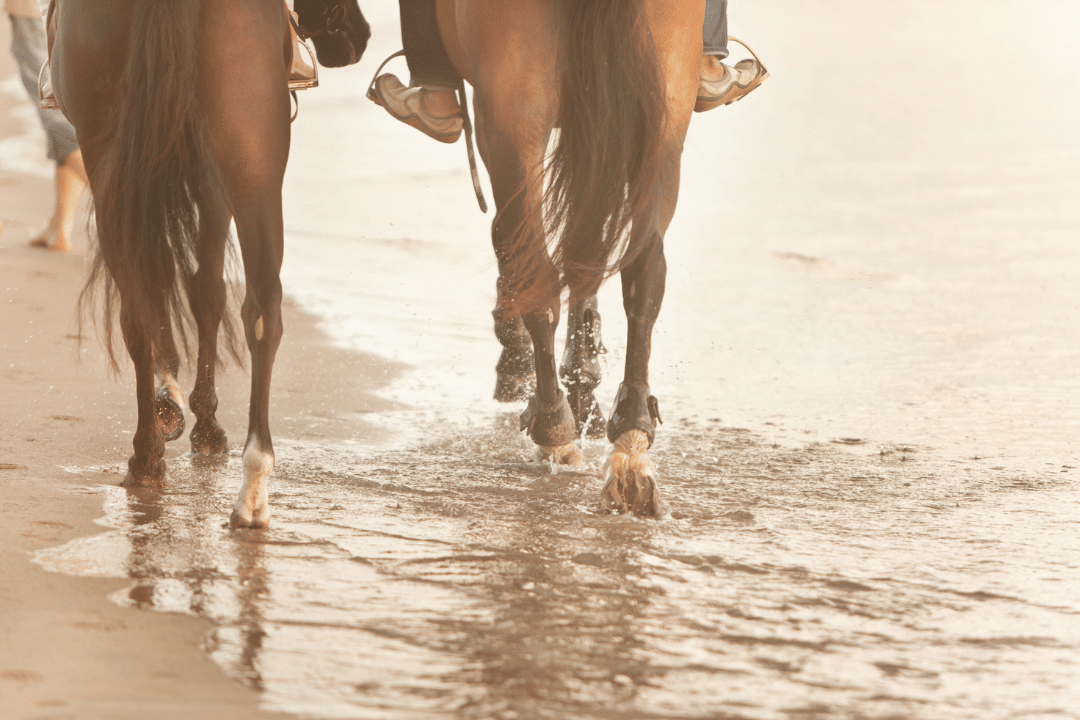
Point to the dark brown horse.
(619, 79)
(182, 111)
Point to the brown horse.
(619, 79)
(182, 111)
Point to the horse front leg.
(548, 419)
(629, 475)
(514, 375)
(147, 465)
(261, 243)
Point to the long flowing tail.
(155, 178)
(606, 162)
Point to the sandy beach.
(867, 363)
(66, 651)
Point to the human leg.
(70, 182)
(429, 103)
(723, 84)
(28, 45)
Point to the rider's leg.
(723, 84)
(714, 31)
(429, 103)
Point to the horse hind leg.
(580, 370)
(260, 232)
(250, 142)
(263, 328)
(147, 465)
(169, 399)
(208, 301)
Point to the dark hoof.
(513, 388)
(207, 438)
(170, 414)
(142, 473)
(552, 426)
(587, 413)
(515, 375)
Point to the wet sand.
(66, 650)
(870, 444)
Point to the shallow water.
(458, 579)
(867, 365)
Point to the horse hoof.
(630, 479)
(142, 473)
(633, 493)
(208, 439)
(242, 517)
(587, 413)
(515, 376)
(552, 426)
(512, 388)
(569, 454)
(170, 414)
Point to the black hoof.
(170, 414)
(515, 376)
(587, 413)
(552, 426)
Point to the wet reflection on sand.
(867, 364)
(830, 580)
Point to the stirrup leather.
(303, 74)
(46, 96)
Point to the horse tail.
(605, 166)
(154, 179)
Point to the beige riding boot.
(722, 84)
(433, 111)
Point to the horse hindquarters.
(243, 84)
(128, 86)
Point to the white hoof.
(630, 479)
(252, 508)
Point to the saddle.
(303, 74)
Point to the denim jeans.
(714, 31)
(30, 48)
(429, 65)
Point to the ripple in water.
(462, 580)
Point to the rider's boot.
(722, 84)
(433, 111)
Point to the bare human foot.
(70, 182)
